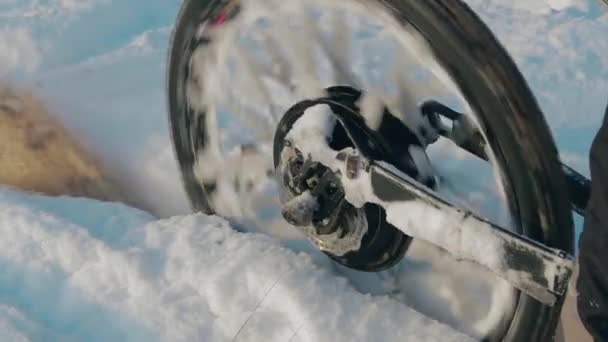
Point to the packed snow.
(77, 269)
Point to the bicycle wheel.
(223, 128)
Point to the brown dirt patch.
(37, 154)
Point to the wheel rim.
(507, 296)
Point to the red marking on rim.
(221, 18)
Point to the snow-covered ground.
(82, 270)
(85, 270)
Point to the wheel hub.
(313, 197)
(318, 196)
(313, 201)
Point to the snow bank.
(87, 270)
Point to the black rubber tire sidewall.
(186, 24)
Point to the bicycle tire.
(495, 89)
